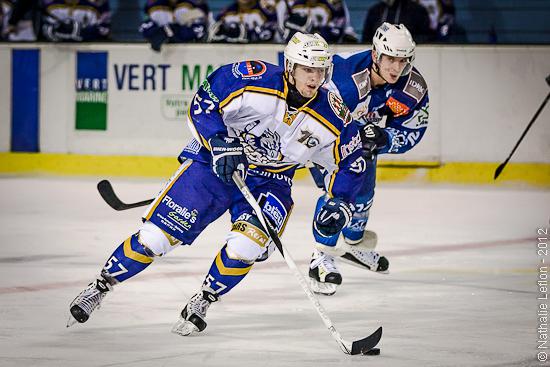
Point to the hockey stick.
(359, 346)
(503, 164)
(108, 194)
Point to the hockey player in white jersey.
(388, 98)
(260, 121)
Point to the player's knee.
(156, 240)
(247, 241)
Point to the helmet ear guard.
(394, 40)
(308, 50)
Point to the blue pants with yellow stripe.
(192, 199)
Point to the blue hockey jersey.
(400, 108)
(248, 100)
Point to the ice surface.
(462, 288)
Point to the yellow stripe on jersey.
(203, 141)
(136, 256)
(231, 97)
(229, 271)
(322, 120)
(282, 169)
(159, 198)
(253, 89)
(264, 90)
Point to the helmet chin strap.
(376, 69)
(294, 98)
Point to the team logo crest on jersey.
(274, 209)
(339, 108)
(249, 69)
(264, 149)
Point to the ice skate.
(324, 276)
(370, 260)
(88, 300)
(192, 316)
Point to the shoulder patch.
(362, 82)
(249, 69)
(339, 108)
(416, 86)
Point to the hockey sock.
(225, 273)
(130, 258)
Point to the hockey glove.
(332, 217)
(227, 157)
(373, 138)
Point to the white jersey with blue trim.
(400, 108)
(248, 100)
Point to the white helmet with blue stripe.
(394, 40)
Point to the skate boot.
(192, 316)
(324, 276)
(370, 260)
(88, 300)
(365, 239)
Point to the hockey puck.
(372, 352)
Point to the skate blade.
(362, 266)
(326, 289)
(71, 321)
(184, 328)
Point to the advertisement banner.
(91, 90)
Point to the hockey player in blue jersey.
(261, 121)
(388, 98)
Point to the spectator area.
(518, 22)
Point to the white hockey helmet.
(308, 50)
(394, 40)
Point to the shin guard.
(130, 258)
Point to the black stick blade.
(364, 345)
(499, 170)
(108, 194)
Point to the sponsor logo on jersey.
(416, 86)
(251, 231)
(339, 108)
(353, 145)
(273, 209)
(419, 120)
(362, 82)
(249, 69)
(179, 214)
(208, 90)
(398, 108)
(359, 165)
(308, 139)
(193, 146)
